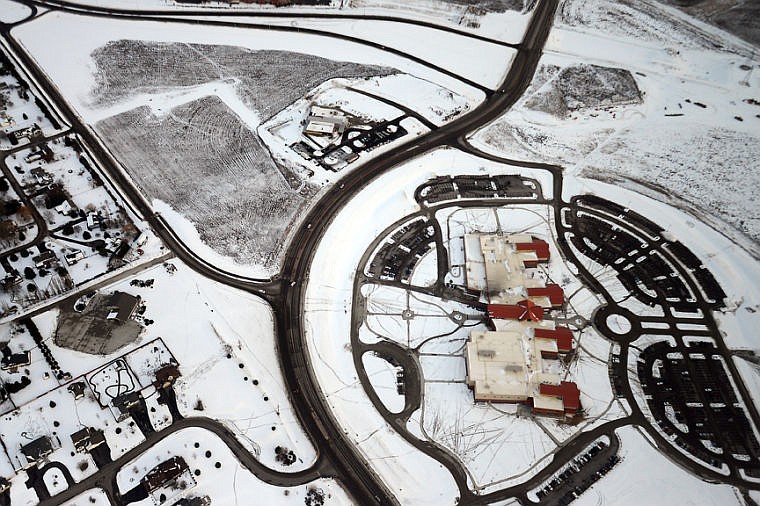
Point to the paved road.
(287, 295)
(105, 477)
(258, 14)
(297, 263)
(287, 298)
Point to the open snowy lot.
(500, 19)
(218, 335)
(11, 12)
(645, 477)
(216, 473)
(93, 497)
(211, 169)
(735, 16)
(449, 51)
(649, 21)
(192, 103)
(691, 138)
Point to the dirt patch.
(583, 87)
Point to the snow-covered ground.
(11, 12)
(218, 474)
(127, 111)
(92, 497)
(690, 142)
(645, 477)
(382, 374)
(434, 102)
(482, 62)
(58, 415)
(218, 335)
(327, 313)
(41, 39)
(506, 24)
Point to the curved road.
(287, 296)
(105, 477)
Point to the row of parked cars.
(563, 480)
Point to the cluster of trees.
(9, 206)
(8, 229)
(284, 456)
(314, 497)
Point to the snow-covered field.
(500, 19)
(206, 109)
(93, 497)
(667, 22)
(645, 477)
(219, 336)
(487, 69)
(218, 474)
(11, 12)
(691, 142)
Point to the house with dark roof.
(122, 306)
(164, 473)
(37, 450)
(88, 438)
(12, 361)
(166, 376)
(77, 389)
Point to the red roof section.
(562, 335)
(523, 310)
(555, 293)
(541, 248)
(568, 391)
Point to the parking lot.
(633, 247)
(694, 403)
(447, 188)
(399, 254)
(579, 474)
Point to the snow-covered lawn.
(219, 336)
(11, 12)
(481, 62)
(644, 476)
(692, 140)
(218, 474)
(92, 497)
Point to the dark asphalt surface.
(337, 456)
(310, 406)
